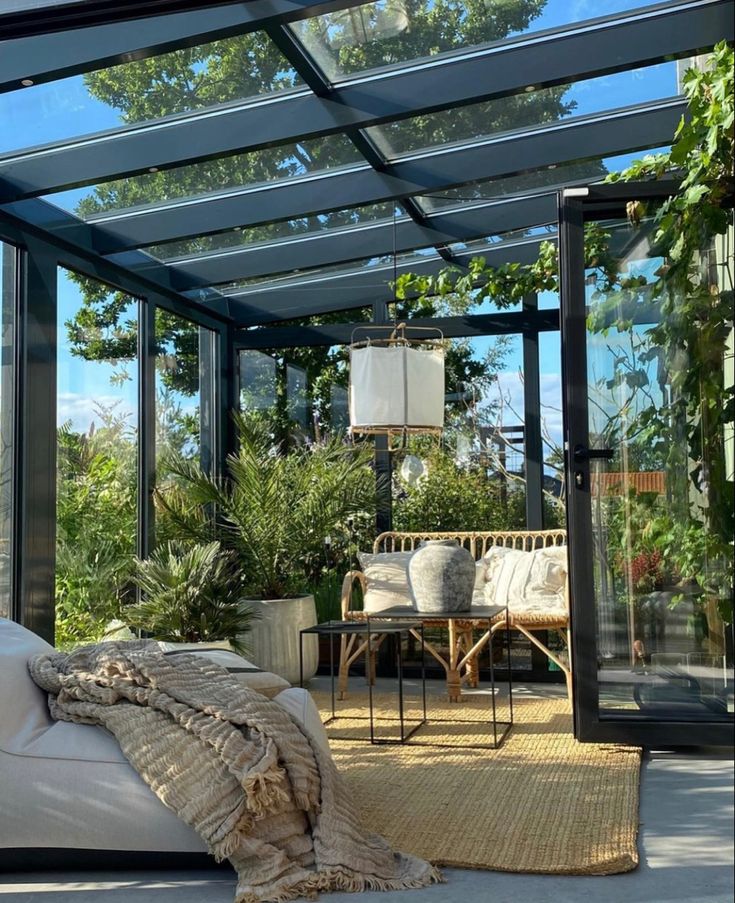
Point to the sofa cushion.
(531, 582)
(23, 708)
(246, 672)
(386, 576)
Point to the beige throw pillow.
(530, 582)
(386, 576)
(240, 668)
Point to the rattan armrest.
(350, 578)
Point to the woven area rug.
(541, 803)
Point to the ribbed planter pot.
(274, 638)
(441, 575)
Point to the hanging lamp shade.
(396, 385)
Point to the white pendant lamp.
(397, 383)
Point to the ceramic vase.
(441, 575)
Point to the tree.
(240, 67)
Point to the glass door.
(648, 444)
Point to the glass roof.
(305, 226)
(182, 94)
(528, 110)
(390, 32)
(197, 179)
(193, 78)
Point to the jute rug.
(541, 803)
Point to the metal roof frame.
(588, 137)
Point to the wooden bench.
(461, 667)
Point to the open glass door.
(649, 468)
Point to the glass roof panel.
(193, 78)
(283, 162)
(273, 232)
(535, 182)
(529, 110)
(381, 265)
(389, 32)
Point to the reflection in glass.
(536, 181)
(178, 389)
(186, 80)
(389, 32)
(238, 238)
(197, 179)
(257, 381)
(662, 506)
(527, 110)
(7, 351)
(296, 398)
(97, 456)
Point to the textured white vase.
(274, 638)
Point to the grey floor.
(686, 852)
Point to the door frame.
(577, 206)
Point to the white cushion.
(478, 593)
(530, 582)
(386, 576)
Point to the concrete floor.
(686, 849)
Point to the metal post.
(36, 436)
(533, 445)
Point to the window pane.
(185, 403)
(193, 78)
(7, 351)
(97, 430)
(389, 32)
(537, 181)
(238, 171)
(529, 110)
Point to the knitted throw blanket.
(230, 763)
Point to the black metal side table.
(334, 629)
(380, 621)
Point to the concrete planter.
(274, 638)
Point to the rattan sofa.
(462, 665)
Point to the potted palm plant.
(191, 595)
(273, 510)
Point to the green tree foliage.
(274, 510)
(452, 497)
(245, 66)
(96, 526)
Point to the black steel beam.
(58, 16)
(334, 246)
(79, 239)
(366, 287)
(51, 56)
(583, 138)
(649, 36)
(453, 327)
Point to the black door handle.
(582, 453)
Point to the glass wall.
(97, 455)
(7, 349)
(184, 367)
(659, 396)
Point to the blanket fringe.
(264, 792)
(341, 879)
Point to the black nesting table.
(378, 622)
(369, 629)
